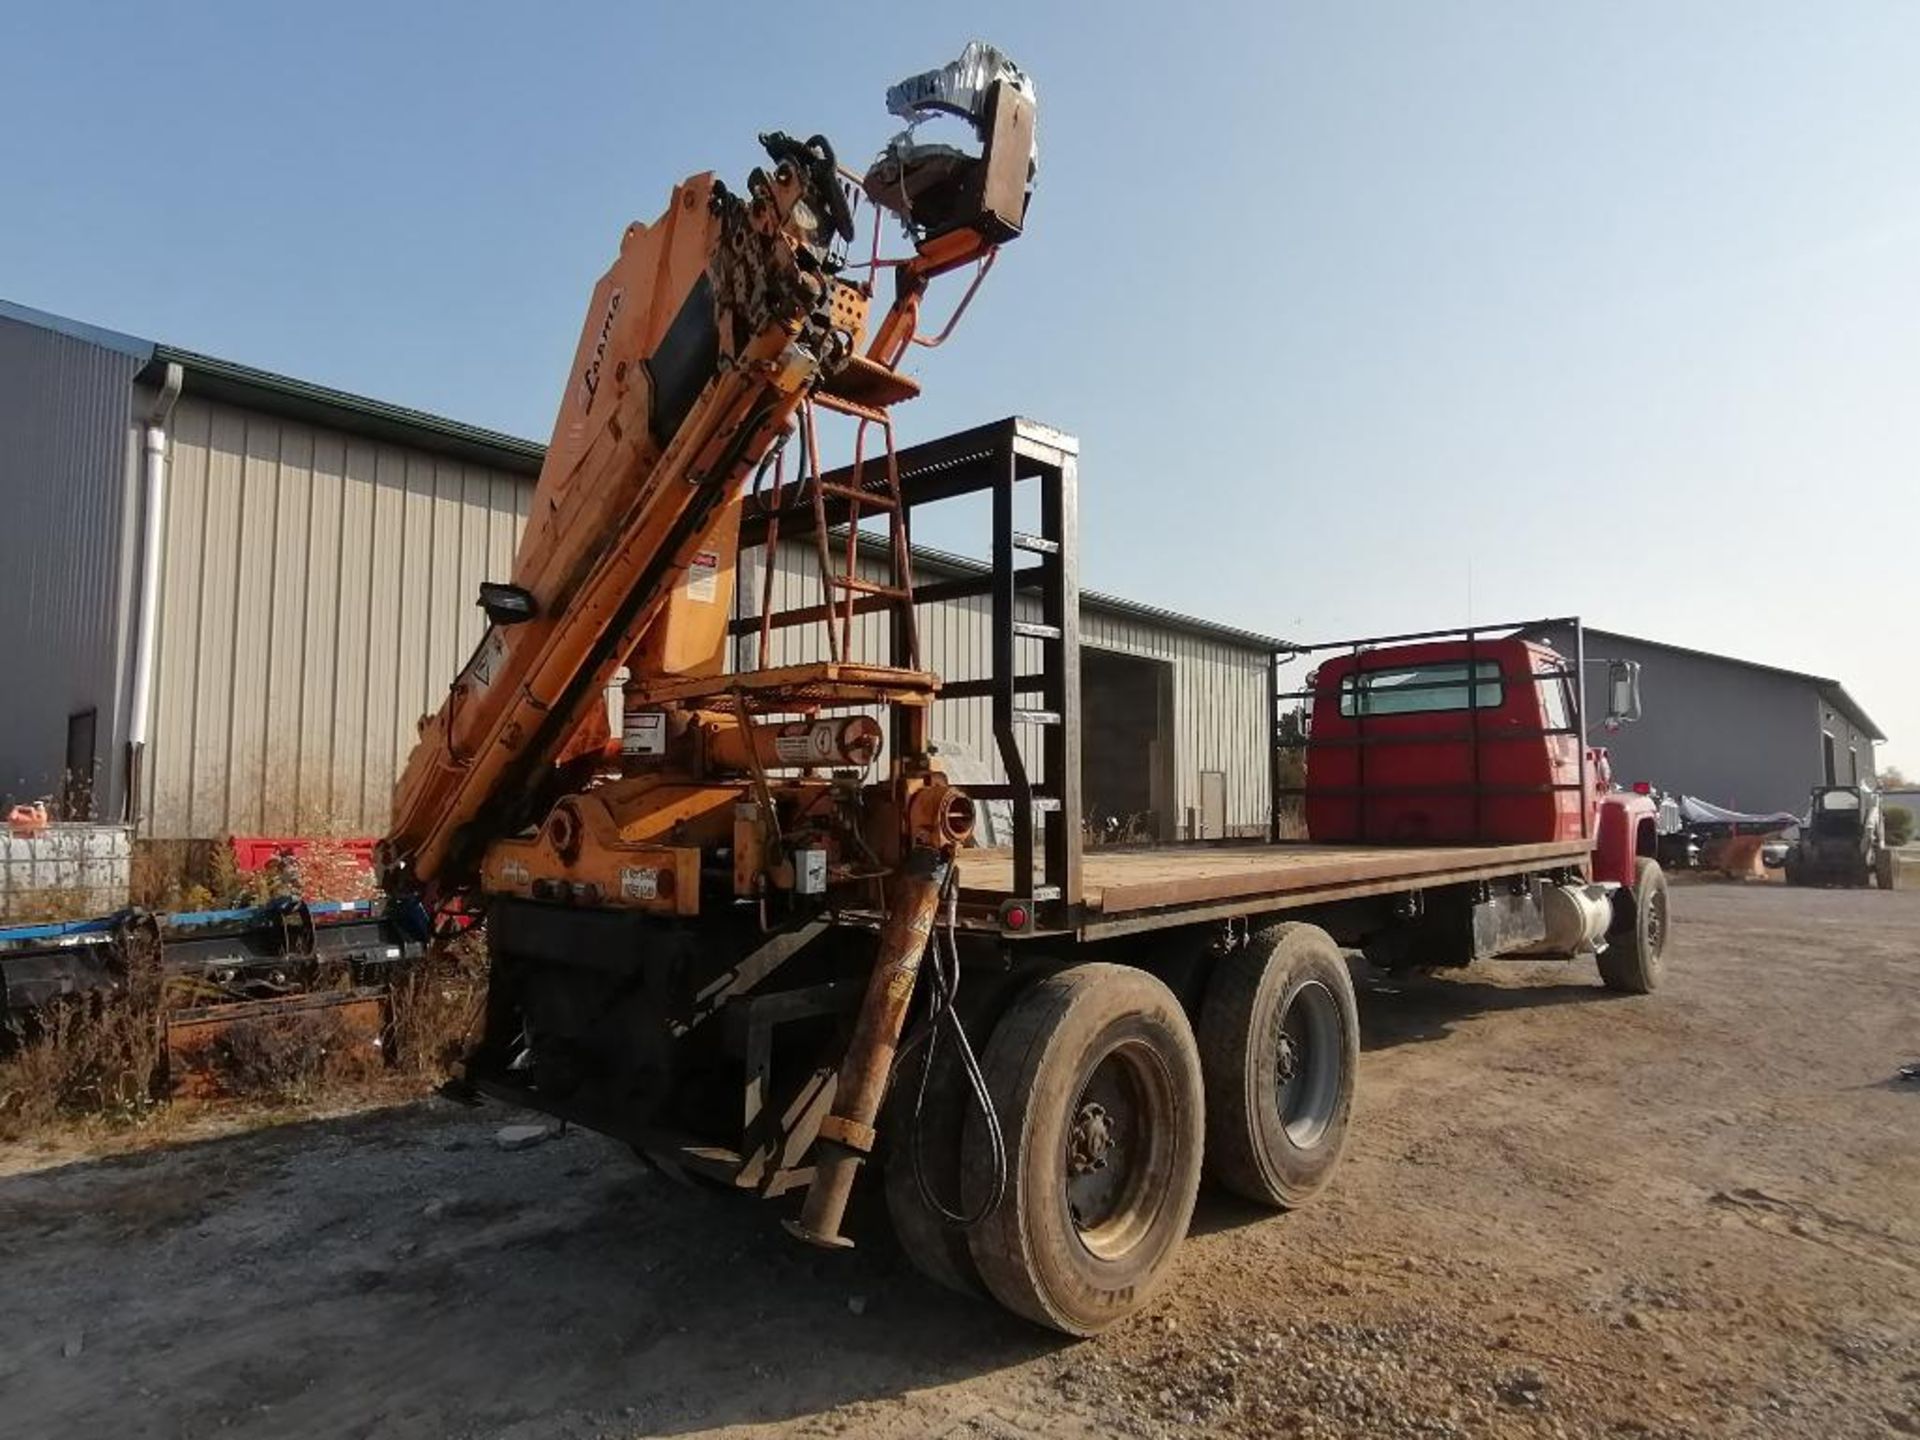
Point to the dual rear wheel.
(1108, 1104)
(1280, 1034)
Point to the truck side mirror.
(1623, 692)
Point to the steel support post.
(846, 1135)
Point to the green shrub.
(1899, 821)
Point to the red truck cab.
(1468, 741)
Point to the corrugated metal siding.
(1219, 699)
(1727, 732)
(318, 598)
(66, 452)
(1219, 689)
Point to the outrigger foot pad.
(799, 1231)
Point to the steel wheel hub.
(1308, 1063)
(1090, 1140)
(1287, 1058)
(1116, 1148)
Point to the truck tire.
(934, 1247)
(1632, 961)
(1096, 1078)
(932, 1243)
(1279, 1046)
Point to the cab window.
(1422, 689)
(1553, 702)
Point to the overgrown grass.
(289, 1059)
(437, 1007)
(87, 1057)
(93, 1061)
(327, 869)
(103, 1061)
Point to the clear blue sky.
(1616, 307)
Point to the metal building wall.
(67, 451)
(1853, 760)
(1219, 688)
(1219, 700)
(1713, 727)
(318, 598)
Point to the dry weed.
(204, 875)
(1139, 828)
(95, 1058)
(291, 1058)
(87, 1056)
(437, 1006)
(329, 869)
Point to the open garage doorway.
(1126, 747)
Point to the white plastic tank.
(65, 872)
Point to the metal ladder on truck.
(1033, 589)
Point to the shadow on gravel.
(1403, 1009)
(745, 1325)
(1400, 1010)
(1905, 1080)
(1217, 1210)
(411, 1279)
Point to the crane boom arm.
(699, 344)
(712, 328)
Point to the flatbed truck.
(1138, 1015)
(748, 929)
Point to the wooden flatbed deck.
(1124, 882)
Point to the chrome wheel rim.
(1308, 1064)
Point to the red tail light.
(1642, 787)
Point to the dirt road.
(1563, 1213)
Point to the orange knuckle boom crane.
(629, 874)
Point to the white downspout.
(152, 546)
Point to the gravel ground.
(1563, 1213)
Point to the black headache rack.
(1033, 588)
(1290, 709)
